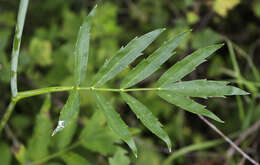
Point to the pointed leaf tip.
(147, 118)
(82, 48)
(93, 11)
(187, 65)
(151, 64)
(125, 56)
(204, 88)
(69, 111)
(187, 104)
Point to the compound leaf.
(148, 66)
(124, 57)
(187, 65)
(147, 118)
(204, 88)
(187, 104)
(115, 122)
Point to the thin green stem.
(41, 91)
(249, 60)
(7, 115)
(16, 45)
(57, 154)
(238, 74)
(35, 92)
(246, 56)
(242, 80)
(14, 61)
(142, 89)
(195, 147)
(119, 90)
(233, 58)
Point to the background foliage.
(47, 59)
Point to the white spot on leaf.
(60, 126)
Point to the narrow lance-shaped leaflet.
(148, 66)
(147, 118)
(204, 88)
(125, 56)
(71, 108)
(115, 122)
(187, 65)
(187, 104)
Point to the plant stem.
(249, 60)
(7, 115)
(194, 147)
(228, 140)
(14, 61)
(40, 91)
(238, 74)
(16, 45)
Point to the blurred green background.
(46, 59)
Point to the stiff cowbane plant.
(169, 86)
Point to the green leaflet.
(187, 65)
(148, 66)
(119, 158)
(82, 48)
(124, 57)
(70, 109)
(98, 137)
(187, 104)
(5, 153)
(72, 158)
(204, 88)
(147, 118)
(115, 122)
(38, 144)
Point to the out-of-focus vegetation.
(47, 59)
